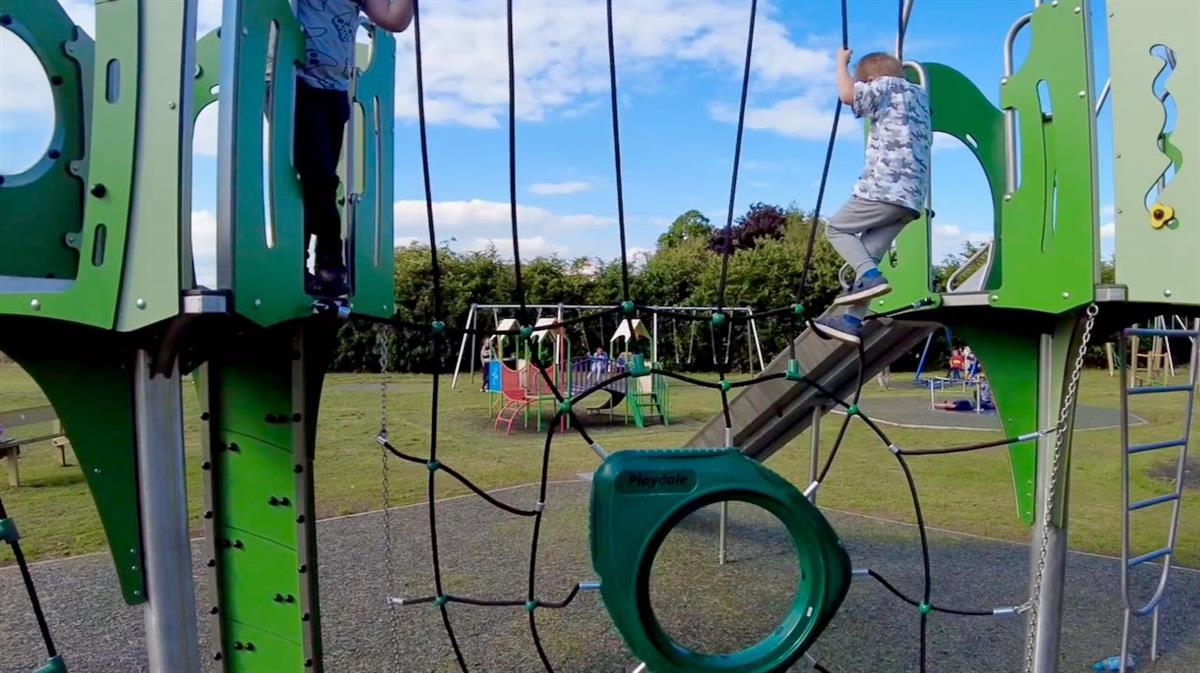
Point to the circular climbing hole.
(27, 117)
(715, 608)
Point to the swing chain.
(383, 344)
(1033, 606)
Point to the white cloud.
(808, 116)
(561, 54)
(944, 142)
(536, 246)
(204, 247)
(1108, 230)
(947, 230)
(475, 223)
(560, 188)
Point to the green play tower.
(100, 305)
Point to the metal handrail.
(985, 249)
(1010, 116)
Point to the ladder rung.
(1150, 390)
(1152, 556)
(1150, 502)
(1153, 446)
(1151, 332)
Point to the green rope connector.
(725, 386)
(793, 371)
(526, 332)
(565, 406)
(638, 367)
(798, 311)
(438, 326)
(530, 606)
(628, 307)
(8, 531)
(925, 608)
(53, 665)
(433, 465)
(441, 601)
(853, 410)
(718, 319)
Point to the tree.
(762, 221)
(688, 226)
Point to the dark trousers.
(321, 117)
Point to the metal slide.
(768, 415)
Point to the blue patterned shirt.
(897, 169)
(329, 32)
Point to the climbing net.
(795, 316)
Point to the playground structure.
(468, 347)
(87, 226)
(518, 392)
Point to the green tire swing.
(639, 497)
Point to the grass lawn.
(969, 493)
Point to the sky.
(679, 70)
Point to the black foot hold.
(331, 307)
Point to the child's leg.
(321, 118)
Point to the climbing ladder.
(1174, 498)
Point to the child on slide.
(890, 193)
(322, 110)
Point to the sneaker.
(841, 327)
(869, 285)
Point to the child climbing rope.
(322, 110)
(890, 193)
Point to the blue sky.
(680, 67)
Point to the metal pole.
(814, 459)
(721, 532)
(654, 344)
(1050, 599)
(170, 611)
(762, 364)
(473, 325)
(462, 347)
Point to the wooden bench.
(10, 443)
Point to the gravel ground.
(714, 608)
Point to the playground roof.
(634, 326)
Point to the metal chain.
(383, 344)
(1033, 607)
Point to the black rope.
(436, 339)
(518, 289)
(616, 132)
(727, 249)
(30, 590)
(833, 129)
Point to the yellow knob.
(1160, 215)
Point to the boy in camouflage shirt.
(891, 191)
(322, 110)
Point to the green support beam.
(260, 396)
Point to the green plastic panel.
(92, 298)
(264, 270)
(1155, 265)
(160, 207)
(960, 110)
(639, 497)
(1010, 359)
(261, 396)
(1048, 238)
(43, 205)
(372, 239)
(91, 390)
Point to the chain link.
(1033, 607)
(383, 344)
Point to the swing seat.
(639, 497)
